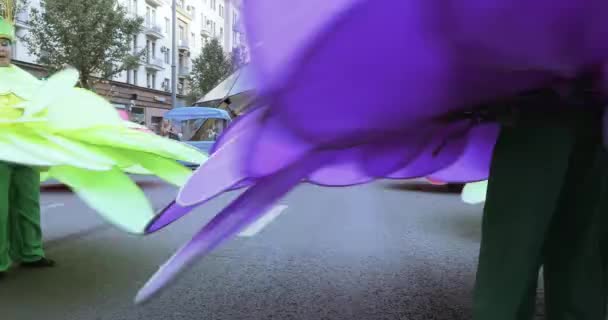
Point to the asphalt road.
(369, 252)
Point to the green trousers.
(544, 208)
(20, 233)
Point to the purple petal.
(274, 148)
(443, 150)
(251, 120)
(474, 164)
(166, 216)
(221, 172)
(235, 217)
(272, 52)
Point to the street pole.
(174, 57)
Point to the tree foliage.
(94, 36)
(210, 68)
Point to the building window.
(182, 33)
(221, 33)
(148, 80)
(148, 16)
(221, 11)
(153, 49)
(138, 115)
(166, 85)
(167, 26)
(234, 19)
(192, 38)
(235, 38)
(154, 81)
(180, 86)
(135, 76)
(167, 56)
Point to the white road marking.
(263, 221)
(51, 206)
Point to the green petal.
(141, 141)
(111, 193)
(146, 163)
(475, 193)
(18, 82)
(167, 169)
(10, 152)
(85, 151)
(82, 109)
(38, 146)
(44, 175)
(53, 89)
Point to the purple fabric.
(167, 215)
(474, 163)
(353, 91)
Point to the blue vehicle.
(196, 126)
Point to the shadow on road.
(424, 187)
(61, 188)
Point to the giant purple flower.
(357, 90)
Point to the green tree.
(210, 68)
(94, 36)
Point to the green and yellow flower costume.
(78, 138)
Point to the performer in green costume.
(542, 208)
(43, 126)
(20, 233)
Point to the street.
(369, 252)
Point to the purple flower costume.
(357, 90)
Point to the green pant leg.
(25, 214)
(573, 266)
(5, 180)
(528, 169)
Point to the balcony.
(155, 64)
(183, 45)
(183, 71)
(153, 30)
(205, 32)
(155, 3)
(184, 11)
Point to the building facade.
(145, 92)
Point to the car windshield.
(194, 129)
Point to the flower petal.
(235, 217)
(111, 193)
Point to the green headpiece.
(7, 19)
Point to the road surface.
(369, 252)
